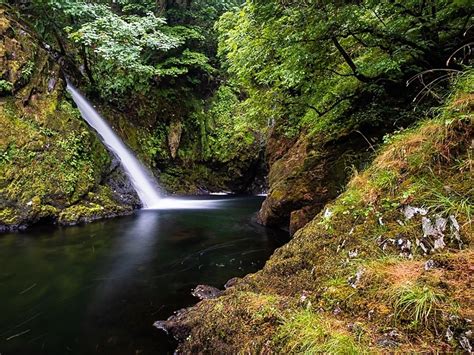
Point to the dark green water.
(98, 288)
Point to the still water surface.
(98, 288)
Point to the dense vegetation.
(297, 65)
(365, 105)
(306, 63)
(138, 60)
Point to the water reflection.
(133, 249)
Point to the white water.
(142, 181)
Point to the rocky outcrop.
(174, 137)
(307, 173)
(54, 168)
(206, 292)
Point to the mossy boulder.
(51, 162)
(311, 172)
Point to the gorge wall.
(54, 169)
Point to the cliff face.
(308, 174)
(193, 146)
(312, 169)
(386, 266)
(53, 168)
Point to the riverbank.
(385, 267)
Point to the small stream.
(98, 288)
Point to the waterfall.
(140, 178)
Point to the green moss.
(50, 159)
(9, 216)
(5, 87)
(305, 332)
(96, 205)
(217, 146)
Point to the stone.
(354, 280)
(435, 229)
(433, 234)
(389, 339)
(51, 84)
(232, 282)
(385, 342)
(174, 325)
(465, 343)
(206, 292)
(299, 218)
(449, 334)
(430, 264)
(410, 212)
(353, 253)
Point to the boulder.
(305, 174)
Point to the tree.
(313, 58)
(121, 47)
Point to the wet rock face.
(304, 175)
(175, 325)
(232, 282)
(121, 186)
(289, 189)
(299, 218)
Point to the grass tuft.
(310, 333)
(417, 304)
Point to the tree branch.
(350, 62)
(330, 108)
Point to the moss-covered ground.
(386, 267)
